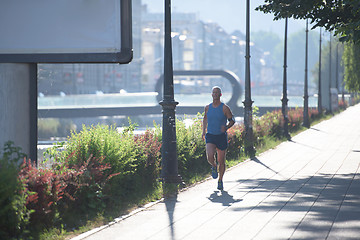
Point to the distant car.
(122, 91)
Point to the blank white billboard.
(65, 31)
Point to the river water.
(149, 99)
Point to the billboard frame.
(124, 56)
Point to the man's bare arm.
(229, 116)
(205, 121)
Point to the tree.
(296, 56)
(336, 63)
(267, 41)
(341, 16)
(352, 67)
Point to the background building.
(196, 46)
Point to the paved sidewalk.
(306, 188)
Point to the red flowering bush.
(269, 124)
(46, 189)
(55, 194)
(236, 136)
(295, 118)
(148, 147)
(86, 183)
(131, 161)
(343, 104)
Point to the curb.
(116, 220)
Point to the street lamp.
(337, 67)
(169, 163)
(284, 99)
(343, 86)
(330, 110)
(319, 89)
(249, 144)
(306, 122)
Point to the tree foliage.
(266, 40)
(352, 67)
(341, 16)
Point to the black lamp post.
(330, 109)
(249, 144)
(306, 122)
(343, 86)
(169, 163)
(337, 67)
(319, 90)
(284, 99)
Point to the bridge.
(147, 103)
(133, 104)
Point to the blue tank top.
(216, 119)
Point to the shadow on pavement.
(316, 129)
(223, 197)
(322, 200)
(170, 203)
(305, 145)
(255, 159)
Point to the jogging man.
(217, 120)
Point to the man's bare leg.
(210, 153)
(221, 160)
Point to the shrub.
(84, 191)
(99, 141)
(236, 137)
(14, 216)
(134, 162)
(45, 189)
(148, 149)
(295, 119)
(190, 147)
(343, 104)
(269, 124)
(314, 113)
(55, 195)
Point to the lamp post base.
(250, 151)
(172, 179)
(249, 134)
